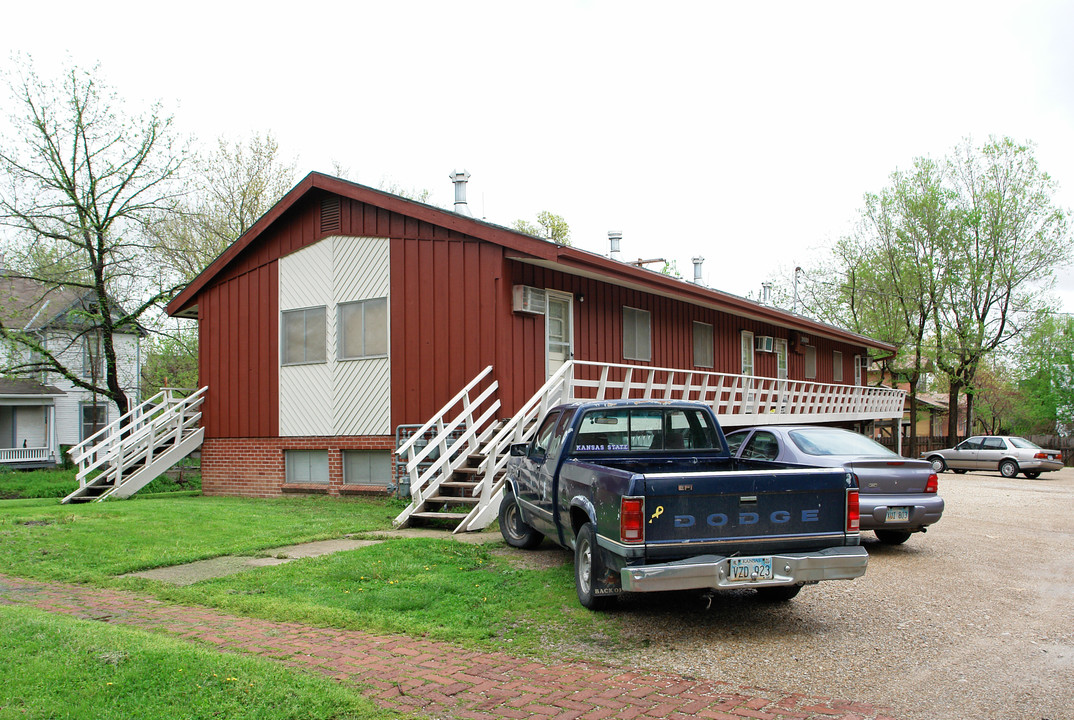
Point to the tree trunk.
(952, 413)
(913, 419)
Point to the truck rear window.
(625, 430)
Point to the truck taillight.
(853, 512)
(933, 485)
(632, 520)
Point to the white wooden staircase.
(463, 485)
(125, 456)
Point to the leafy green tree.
(1009, 237)
(549, 226)
(1045, 359)
(171, 360)
(82, 181)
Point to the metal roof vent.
(614, 236)
(766, 293)
(697, 260)
(459, 177)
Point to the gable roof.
(26, 304)
(522, 248)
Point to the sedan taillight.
(853, 511)
(933, 485)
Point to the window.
(703, 345)
(993, 443)
(365, 467)
(636, 331)
(762, 446)
(304, 336)
(747, 352)
(363, 329)
(810, 362)
(94, 418)
(645, 430)
(306, 466)
(861, 370)
(543, 438)
(837, 366)
(781, 358)
(92, 357)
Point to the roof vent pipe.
(614, 236)
(697, 269)
(459, 177)
(766, 293)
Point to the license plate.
(751, 568)
(901, 514)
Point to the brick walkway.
(436, 678)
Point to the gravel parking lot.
(974, 619)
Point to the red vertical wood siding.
(450, 316)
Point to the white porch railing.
(739, 400)
(128, 453)
(16, 455)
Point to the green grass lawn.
(437, 588)
(60, 483)
(59, 667)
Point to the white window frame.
(633, 315)
(96, 427)
(746, 353)
(708, 345)
(341, 344)
(367, 458)
(837, 366)
(323, 358)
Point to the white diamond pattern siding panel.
(306, 390)
(337, 397)
(362, 398)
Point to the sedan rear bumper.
(924, 510)
(1040, 465)
(711, 571)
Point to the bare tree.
(230, 189)
(81, 181)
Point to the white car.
(1008, 454)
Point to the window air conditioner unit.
(529, 300)
(764, 343)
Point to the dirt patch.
(545, 557)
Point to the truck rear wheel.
(514, 529)
(587, 568)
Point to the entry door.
(559, 334)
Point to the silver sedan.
(897, 496)
(1008, 454)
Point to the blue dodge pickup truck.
(649, 498)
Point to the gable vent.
(330, 208)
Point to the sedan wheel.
(892, 537)
(938, 465)
(1008, 468)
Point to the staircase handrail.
(446, 430)
(118, 448)
(536, 398)
(161, 399)
(443, 411)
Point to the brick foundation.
(254, 467)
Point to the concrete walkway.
(438, 679)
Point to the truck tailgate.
(744, 511)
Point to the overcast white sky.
(744, 132)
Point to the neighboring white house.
(41, 412)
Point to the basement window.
(636, 334)
(367, 467)
(306, 466)
(363, 329)
(303, 336)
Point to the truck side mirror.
(519, 449)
